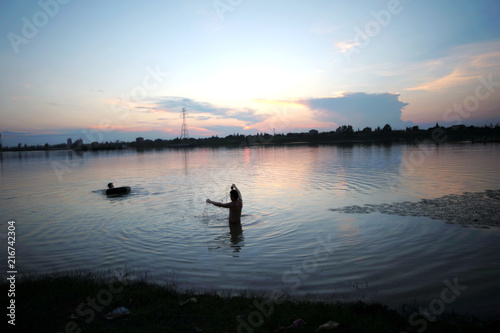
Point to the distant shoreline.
(343, 135)
(270, 144)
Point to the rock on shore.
(479, 209)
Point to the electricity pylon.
(184, 129)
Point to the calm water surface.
(289, 240)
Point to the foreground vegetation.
(84, 302)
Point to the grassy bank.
(80, 302)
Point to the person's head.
(234, 195)
(110, 185)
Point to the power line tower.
(184, 129)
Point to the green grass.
(63, 302)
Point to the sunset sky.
(116, 70)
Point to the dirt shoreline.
(478, 209)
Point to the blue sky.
(115, 70)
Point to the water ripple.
(165, 228)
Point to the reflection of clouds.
(349, 232)
(431, 171)
(215, 179)
(348, 229)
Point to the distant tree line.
(344, 133)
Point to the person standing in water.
(235, 206)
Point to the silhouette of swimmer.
(235, 206)
(117, 190)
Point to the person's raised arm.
(220, 204)
(239, 193)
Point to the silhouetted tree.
(345, 129)
(387, 128)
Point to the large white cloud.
(360, 110)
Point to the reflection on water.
(236, 232)
(64, 221)
(229, 239)
(223, 236)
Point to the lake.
(289, 239)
